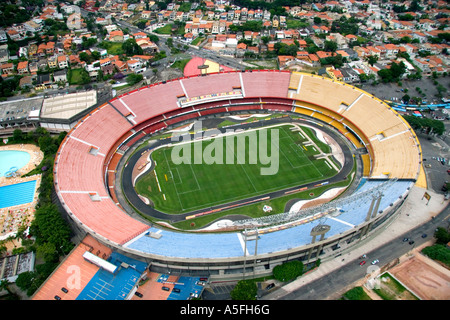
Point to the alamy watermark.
(191, 150)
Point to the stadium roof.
(68, 105)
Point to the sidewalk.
(413, 213)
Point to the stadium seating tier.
(84, 154)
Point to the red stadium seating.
(88, 150)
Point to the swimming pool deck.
(11, 218)
(36, 156)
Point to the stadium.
(94, 164)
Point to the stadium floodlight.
(332, 208)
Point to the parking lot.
(391, 91)
(433, 150)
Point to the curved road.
(332, 284)
(133, 198)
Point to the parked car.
(375, 261)
(270, 286)
(362, 263)
(140, 295)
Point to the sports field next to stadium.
(196, 184)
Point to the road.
(334, 282)
(231, 62)
(350, 272)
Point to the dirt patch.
(424, 277)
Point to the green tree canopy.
(426, 124)
(244, 290)
(288, 271)
(131, 48)
(392, 74)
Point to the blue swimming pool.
(12, 158)
(16, 194)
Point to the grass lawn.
(167, 29)
(197, 41)
(391, 289)
(75, 76)
(180, 64)
(178, 188)
(114, 48)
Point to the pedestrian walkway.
(415, 211)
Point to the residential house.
(115, 36)
(105, 62)
(43, 82)
(4, 54)
(283, 60)
(134, 65)
(74, 60)
(32, 50)
(42, 64)
(33, 67)
(349, 75)
(147, 45)
(121, 66)
(46, 49)
(314, 60)
(52, 62)
(188, 37)
(26, 82)
(7, 68)
(240, 49)
(22, 67)
(107, 69)
(3, 36)
(62, 62)
(60, 76)
(74, 21)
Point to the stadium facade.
(86, 170)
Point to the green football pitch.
(175, 187)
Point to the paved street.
(338, 275)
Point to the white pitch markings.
(157, 181)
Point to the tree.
(330, 46)
(288, 271)
(426, 124)
(372, 59)
(134, 78)
(244, 290)
(49, 226)
(131, 48)
(442, 236)
(392, 74)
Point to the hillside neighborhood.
(53, 44)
